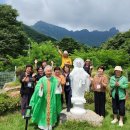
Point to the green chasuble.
(44, 110)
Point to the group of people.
(45, 91)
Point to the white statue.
(80, 83)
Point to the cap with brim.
(118, 68)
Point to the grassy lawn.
(14, 121)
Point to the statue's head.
(78, 62)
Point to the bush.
(8, 103)
(110, 72)
(19, 70)
(89, 96)
(128, 105)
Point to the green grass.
(14, 121)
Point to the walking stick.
(27, 116)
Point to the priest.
(43, 101)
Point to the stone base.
(78, 111)
(90, 117)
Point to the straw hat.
(118, 68)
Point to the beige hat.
(118, 68)
(88, 60)
(65, 52)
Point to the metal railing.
(6, 77)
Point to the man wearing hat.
(66, 60)
(118, 84)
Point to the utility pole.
(29, 50)
(29, 47)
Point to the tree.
(12, 37)
(120, 41)
(70, 45)
(108, 58)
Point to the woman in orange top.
(99, 84)
(60, 88)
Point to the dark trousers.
(62, 99)
(68, 99)
(25, 99)
(100, 100)
(118, 106)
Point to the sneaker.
(114, 121)
(120, 123)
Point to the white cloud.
(75, 14)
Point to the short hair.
(101, 67)
(39, 68)
(57, 68)
(67, 67)
(29, 65)
(48, 66)
(44, 61)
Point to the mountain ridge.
(35, 35)
(93, 38)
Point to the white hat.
(65, 52)
(118, 68)
(88, 60)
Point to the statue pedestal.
(90, 117)
(78, 109)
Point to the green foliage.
(89, 96)
(120, 41)
(108, 58)
(12, 37)
(8, 103)
(1, 65)
(128, 105)
(70, 45)
(45, 51)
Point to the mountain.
(94, 38)
(35, 35)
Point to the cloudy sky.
(75, 14)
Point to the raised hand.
(35, 61)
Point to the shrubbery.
(89, 96)
(8, 103)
